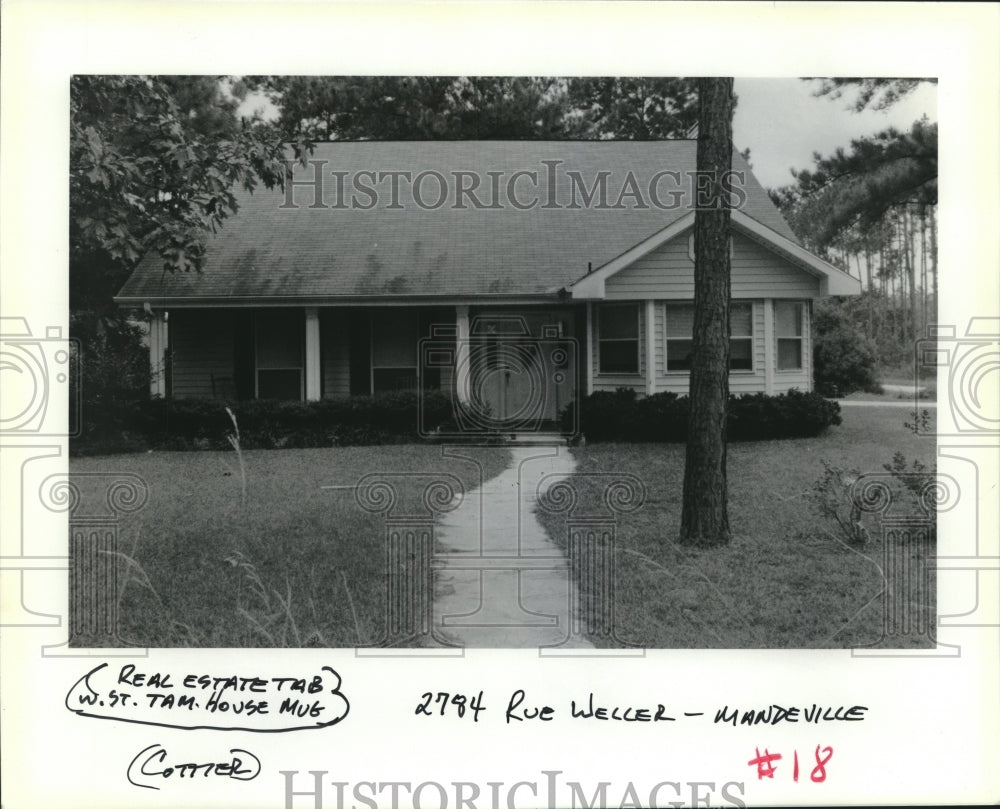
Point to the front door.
(523, 367)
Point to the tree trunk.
(704, 515)
(871, 293)
(911, 270)
(923, 268)
(934, 260)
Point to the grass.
(288, 563)
(787, 579)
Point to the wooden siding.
(335, 352)
(202, 351)
(668, 273)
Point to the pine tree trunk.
(704, 515)
(923, 266)
(934, 261)
(871, 294)
(911, 270)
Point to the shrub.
(844, 359)
(184, 424)
(663, 417)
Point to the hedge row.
(393, 418)
(663, 417)
(182, 424)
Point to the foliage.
(663, 417)
(634, 108)
(830, 496)
(186, 424)
(154, 162)
(111, 367)
(844, 359)
(873, 93)
(859, 185)
(478, 107)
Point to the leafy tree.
(704, 514)
(844, 359)
(154, 162)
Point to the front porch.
(507, 364)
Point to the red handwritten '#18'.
(766, 764)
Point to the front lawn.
(785, 581)
(293, 565)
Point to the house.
(518, 275)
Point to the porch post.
(590, 348)
(650, 349)
(158, 354)
(313, 390)
(769, 357)
(462, 353)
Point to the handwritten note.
(210, 700)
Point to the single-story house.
(393, 265)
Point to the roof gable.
(832, 280)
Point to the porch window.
(618, 338)
(279, 336)
(788, 316)
(680, 326)
(394, 350)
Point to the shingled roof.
(305, 253)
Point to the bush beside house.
(844, 359)
(388, 418)
(663, 417)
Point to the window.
(394, 349)
(740, 337)
(680, 325)
(618, 338)
(279, 337)
(788, 331)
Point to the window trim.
(637, 373)
(800, 305)
(752, 337)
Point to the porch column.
(313, 390)
(462, 353)
(650, 348)
(589, 353)
(769, 357)
(158, 354)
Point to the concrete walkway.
(499, 581)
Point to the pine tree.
(704, 515)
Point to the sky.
(783, 124)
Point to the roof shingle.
(266, 250)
